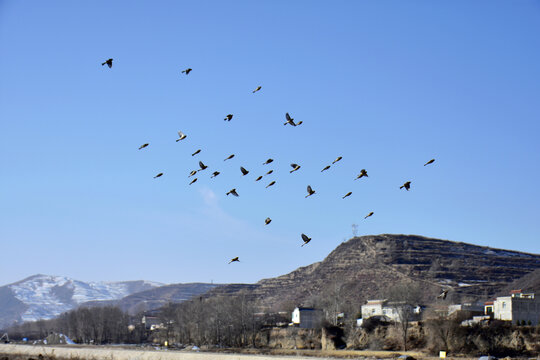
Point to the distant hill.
(157, 297)
(365, 267)
(45, 296)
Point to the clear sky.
(387, 85)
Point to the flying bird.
(326, 168)
(187, 71)
(228, 117)
(337, 159)
(310, 191)
(269, 172)
(267, 221)
(363, 173)
(229, 157)
(443, 294)
(233, 192)
(202, 166)
(368, 215)
(271, 183)
(407, 186)
(181, 136)
(430, 162)
(244, 171)
(108, 62)
(214, 174)
(295, 167)
(234, 259)
(196, 152)
(143, 146)
(192, 173)
(257, 89)
(259, 178)
(290, 120)
(158, 175)
(192, 181)
(306, 239)
(347, 194)
(268, 161)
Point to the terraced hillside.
(365, 267)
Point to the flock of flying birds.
(295, 167)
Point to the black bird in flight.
(268, 161)
(443, 294)
(368, 215)
(233, 192)
(143, 146)
(338, 158)
(192, 181)
(244, 171)
(326, 168)
(228, 117)
(310, 191)
(267, 221)
(234, 259)
(430, 162)
(347, 194)
(158, 175)
(196, 152)
(257, 89)
(202, 166)
(229, 157)
(108, 62)
(289, 119)
(214, 174)
(192, 173)
(407, 186)
(181, 136)
(269, 172)
(187, 71)
(271, 184)
(295, 168)
(259, 178)
(363, 173)
(306, 239)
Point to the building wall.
(307, 318)
(370, 310)
(517, 309)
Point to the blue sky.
(387, 85)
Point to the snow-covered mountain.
(45, 296)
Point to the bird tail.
(304, 244)
(401, 187)
(103, 63)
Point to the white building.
(389, 310)
(517, 307)
(307, 318)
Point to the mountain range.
(45, 296)
(359, 269)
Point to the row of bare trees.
(227, 321)
(98, 325)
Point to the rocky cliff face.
(365, 267)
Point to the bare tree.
(403, 299)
